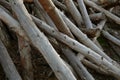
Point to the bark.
(84, 13)
(74, 12)
(111, 38)
(7, 64)
(96, 16)
(44, 14)
(24, 49)
(107, 13)
(55, 16)
(84, 39)
(40, 42)
(77, 65)
(60, 5)
(87, 52)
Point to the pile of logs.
(56, 28)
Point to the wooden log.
(40, 42)
(12, 24)
(87, 52)
(107, 13)
(25, 56)
(60, 5)
(111, 38)
(24, 47)
(77, 65)
(55, 16)
(91, 65)
(5, 38)
(96, 16)
(44, 14)
(84, 13)
(84, 39)
(7, 64)
(74, 12)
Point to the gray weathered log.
(84, 13)
(111, 38)
(84, 39)
(74, 12)
(107, 13)
(77, 65)
(40, 42)
(97, 16)
(60, 5)
(44, 14)
(87, 52)
(7, 64)
(24, 46)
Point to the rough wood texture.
(55, 16)
(84, 13)
(40, 42)
(84, 39)
(107, 13)
(87, 52)
(7, 64)
(74, 12)
(111, 38)
(77, 65)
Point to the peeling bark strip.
(8, 65)
(39, 40)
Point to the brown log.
(55, 16)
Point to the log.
(7, 64)
(74, 12)
(84, 39)
(55, 16)
(107, 13)
(97, 16)
(40, 42)
(60, 5)
(77, 65)
(87, 52)
(25, 56)
(84, 13)
(111, 38)
(24, 47)
(44, 14)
